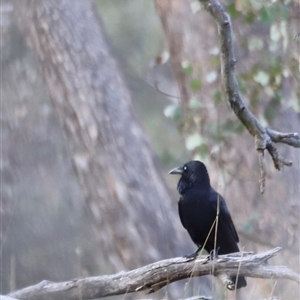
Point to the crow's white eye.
(185, 168)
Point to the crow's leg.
(194, 254)
(214, 254)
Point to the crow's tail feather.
(237, 282)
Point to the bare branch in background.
(264, 137)
(153, 277)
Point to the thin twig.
(262, 171)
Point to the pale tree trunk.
(116, 167)
(37, 174)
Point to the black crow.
(201, 208)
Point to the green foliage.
(262, 78)
(261, 82)
(255, 44)
(187, 68)
(194, 104)
(233, 12)
(217, 97)
(270, 111)
(211, 77)
(196, 84)
(232, 127)
(267, 15)
(250, 17)
(193, 141)
(173, 111)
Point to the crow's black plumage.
(198, 207)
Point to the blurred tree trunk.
(117, 170)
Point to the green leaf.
(233, 126)
(172, 111)
(242, 85)
(250, 17)
(256, 4)
(233, 12)
(262, 78)
(267, 15)
(270, 113)
(203, 151)
(193, 141)
(275, 33)
(217, 97)
(187, 68)
(215, 61)
(283, 12)
(271, 110)
(211, 76)
(195, 84)
(195, 103)
(254, 98)
(255, 44)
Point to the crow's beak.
(178, 170)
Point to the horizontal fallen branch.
(153, 277)
(6, 298)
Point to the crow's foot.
(193, 255)
(214, 254)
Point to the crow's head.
(193, 174)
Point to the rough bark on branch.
(6, 298)
(264, 137)
(153, 277)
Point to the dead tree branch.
(6, 298)
(153, 277)
(264, 137)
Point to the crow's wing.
(180, 211)
(224, 214)
(227, 218)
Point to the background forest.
(94, 115)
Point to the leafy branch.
(265, 138)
